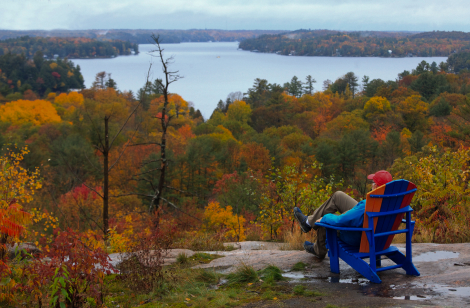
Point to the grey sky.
(412, 15)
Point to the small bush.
(142, 269)
(244, 274)
(74, 274)
(299, 266)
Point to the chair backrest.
(386, 204)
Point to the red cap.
(380, 177)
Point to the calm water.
(212, 70)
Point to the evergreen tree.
(308, 88)
(294, 87)
(351, 79)
(440, 109)
(417, 141)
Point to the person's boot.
(310, 248)
(302, 220)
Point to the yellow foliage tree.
(376, 106)
(414, 112)
(223, 219)
(17, 187)
(239, 111)
(345, 123)
(72, 99)
(37, 112)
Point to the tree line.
(76, 47)
(143, 36)
(359, 44)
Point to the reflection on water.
(412, 297)
(349, 280)
(293, 275)
(435, 256)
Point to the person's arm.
(351, 218)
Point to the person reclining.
(352, 215)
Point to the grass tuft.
(182, 258)
(208, 276)
(294, 240)
(230, 247)
(299, 266)
(244, 274)
(271, 273)
(202, 242)
(301, 290)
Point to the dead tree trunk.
(169, 78)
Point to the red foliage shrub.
(79, 268)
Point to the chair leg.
(378, 261)
(361, 266)
(400, 258)
(333, 250)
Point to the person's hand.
(318, 220)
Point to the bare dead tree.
(169, 77)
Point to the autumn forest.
(119, 171)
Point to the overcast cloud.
(412, 15)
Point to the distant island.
(360, 43)
(67, 47)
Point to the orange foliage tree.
(256, 156)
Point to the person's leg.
(338, 202)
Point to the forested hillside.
(67, 47)
(20, 76)
(360, 44)
(105, 169)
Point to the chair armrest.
(341, 228)
(394, 195)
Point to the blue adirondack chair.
(385, 208)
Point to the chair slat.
(372, 205)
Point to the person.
(352, 215)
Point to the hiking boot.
(310, 248)
(302, 220)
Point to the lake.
(212, 70)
